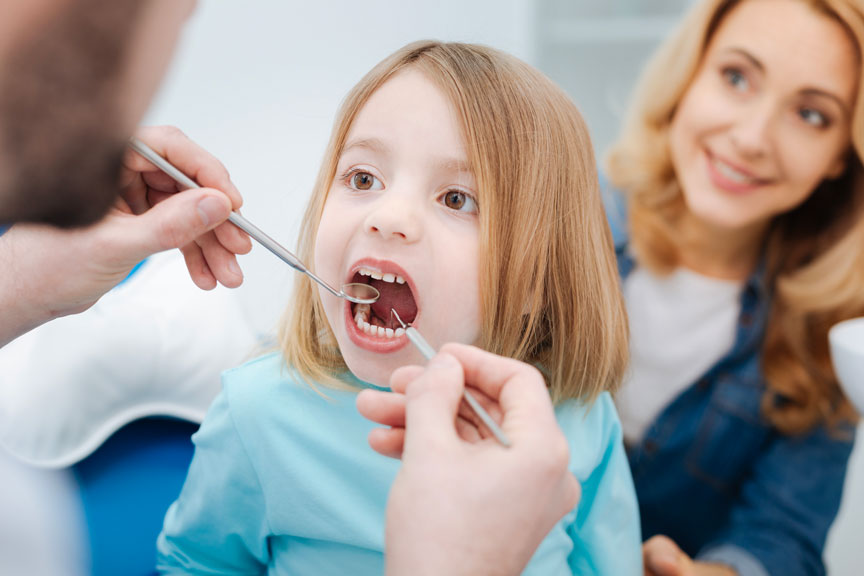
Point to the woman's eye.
(364, 181)
(459, 201)
(735, 78)
(813, 117)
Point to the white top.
(680, 326)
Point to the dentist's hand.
(49, 272)
(470, 507)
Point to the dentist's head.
(77, 77)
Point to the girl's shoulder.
(265, 368)
(267, 404)
(577, 415)
(592, 431)
(267, 383)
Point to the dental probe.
(359, 293)
(428, 352)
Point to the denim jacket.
(711, 472)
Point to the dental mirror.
(353, 292)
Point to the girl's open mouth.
(376, 319)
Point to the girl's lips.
(382, 266)
(376, 344)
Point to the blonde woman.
(461, 183)
(741, 178)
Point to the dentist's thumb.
(431, 404)
(175, 222)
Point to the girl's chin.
(375, 375)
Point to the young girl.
(461, 183)
(742, 167)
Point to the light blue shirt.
(284, 482)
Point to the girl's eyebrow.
(454, 165)
(373, 144)
(451, 164)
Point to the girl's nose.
(395, 217)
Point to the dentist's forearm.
(18, 312)
(32, 273)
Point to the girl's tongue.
(393, 296)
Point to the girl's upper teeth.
(386, 277)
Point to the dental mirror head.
(360, 293)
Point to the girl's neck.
(720, 252)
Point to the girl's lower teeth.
(372, 330)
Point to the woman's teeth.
(361, 318)
(731, 173)
(380, 276)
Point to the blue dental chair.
(127, 486)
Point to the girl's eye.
(459, 201)
(364, 181)
(813, 117)
(735, 78)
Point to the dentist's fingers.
(197, 266)
(432, 401)
(173, 223)
(385, 408)
(190, 158)
(387, 441)
(401, 377)
(486, 371)
(230, 236)
(492, 408)
(233, 238)
(222, 263)
(388, 409)
(434, 414)
(208, 242)
(390, 442)
(493, 375)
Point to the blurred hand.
(662, 557)
(471, 506)
(49, 272)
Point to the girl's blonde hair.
(814, 253)
(548, 278)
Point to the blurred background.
(258, 85)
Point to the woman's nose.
(751, 134)
(395, 216)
